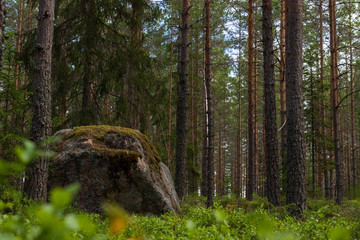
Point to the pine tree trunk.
(29, 4)
(203, 188)
(169, 160)
(312, 131)
(256, 132)
(283, 89)
(88, 116)
(219, 173)
(210, 117)
(134, 116)
(18, 43)
(2, 28)
(353, 158)
(251, 137)
(296, 181)
(238, 160)
(323, 106)
(271, 154)
(181, 116)
(339, 186)
(36, 181)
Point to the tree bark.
(271, 154)
(323, 106)
(137, 12)
(181, 116)
(256, 127)
(203, 188)
(2, 28)
(352, 108)
(88, 116)
(296, 181)
(219, 175)
(238, 161)
(36, 181)
(18, 43)
(339, 186)
(169, 160)
(251, 137)
(210, 127)
(283, 89)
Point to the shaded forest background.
(117, 62)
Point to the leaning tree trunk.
(271, 154)
(181, 113)
(339, 185)
(296, 181)
(36, 182)
(210, 127)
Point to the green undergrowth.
(322, 220)
(231, 218)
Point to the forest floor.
(240, 219)
(230, 218)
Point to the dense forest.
(241, 98)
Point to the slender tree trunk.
(210, 127)
(36, 181)
(296, 181)
(88, 116)
(107, 107)
(272, 155)
(18, 43)
(256, 127)
(192, 178)
(196, 106)
(2, 28)
(137, 12)
(219, 175)
(323, 106)
(29, 3)
(313, 172)
(204, 147)
(251, 137)
(347, 116)
(353, 158)
(169, 160)
(283, 90)
(181, 116)
(339, 193)
(238, 164)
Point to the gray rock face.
(116, 164)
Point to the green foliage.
(322, 222)
(229, 219)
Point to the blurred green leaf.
(340, 233)
(60, 198)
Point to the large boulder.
(113, 164)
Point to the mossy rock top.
(98, 134)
